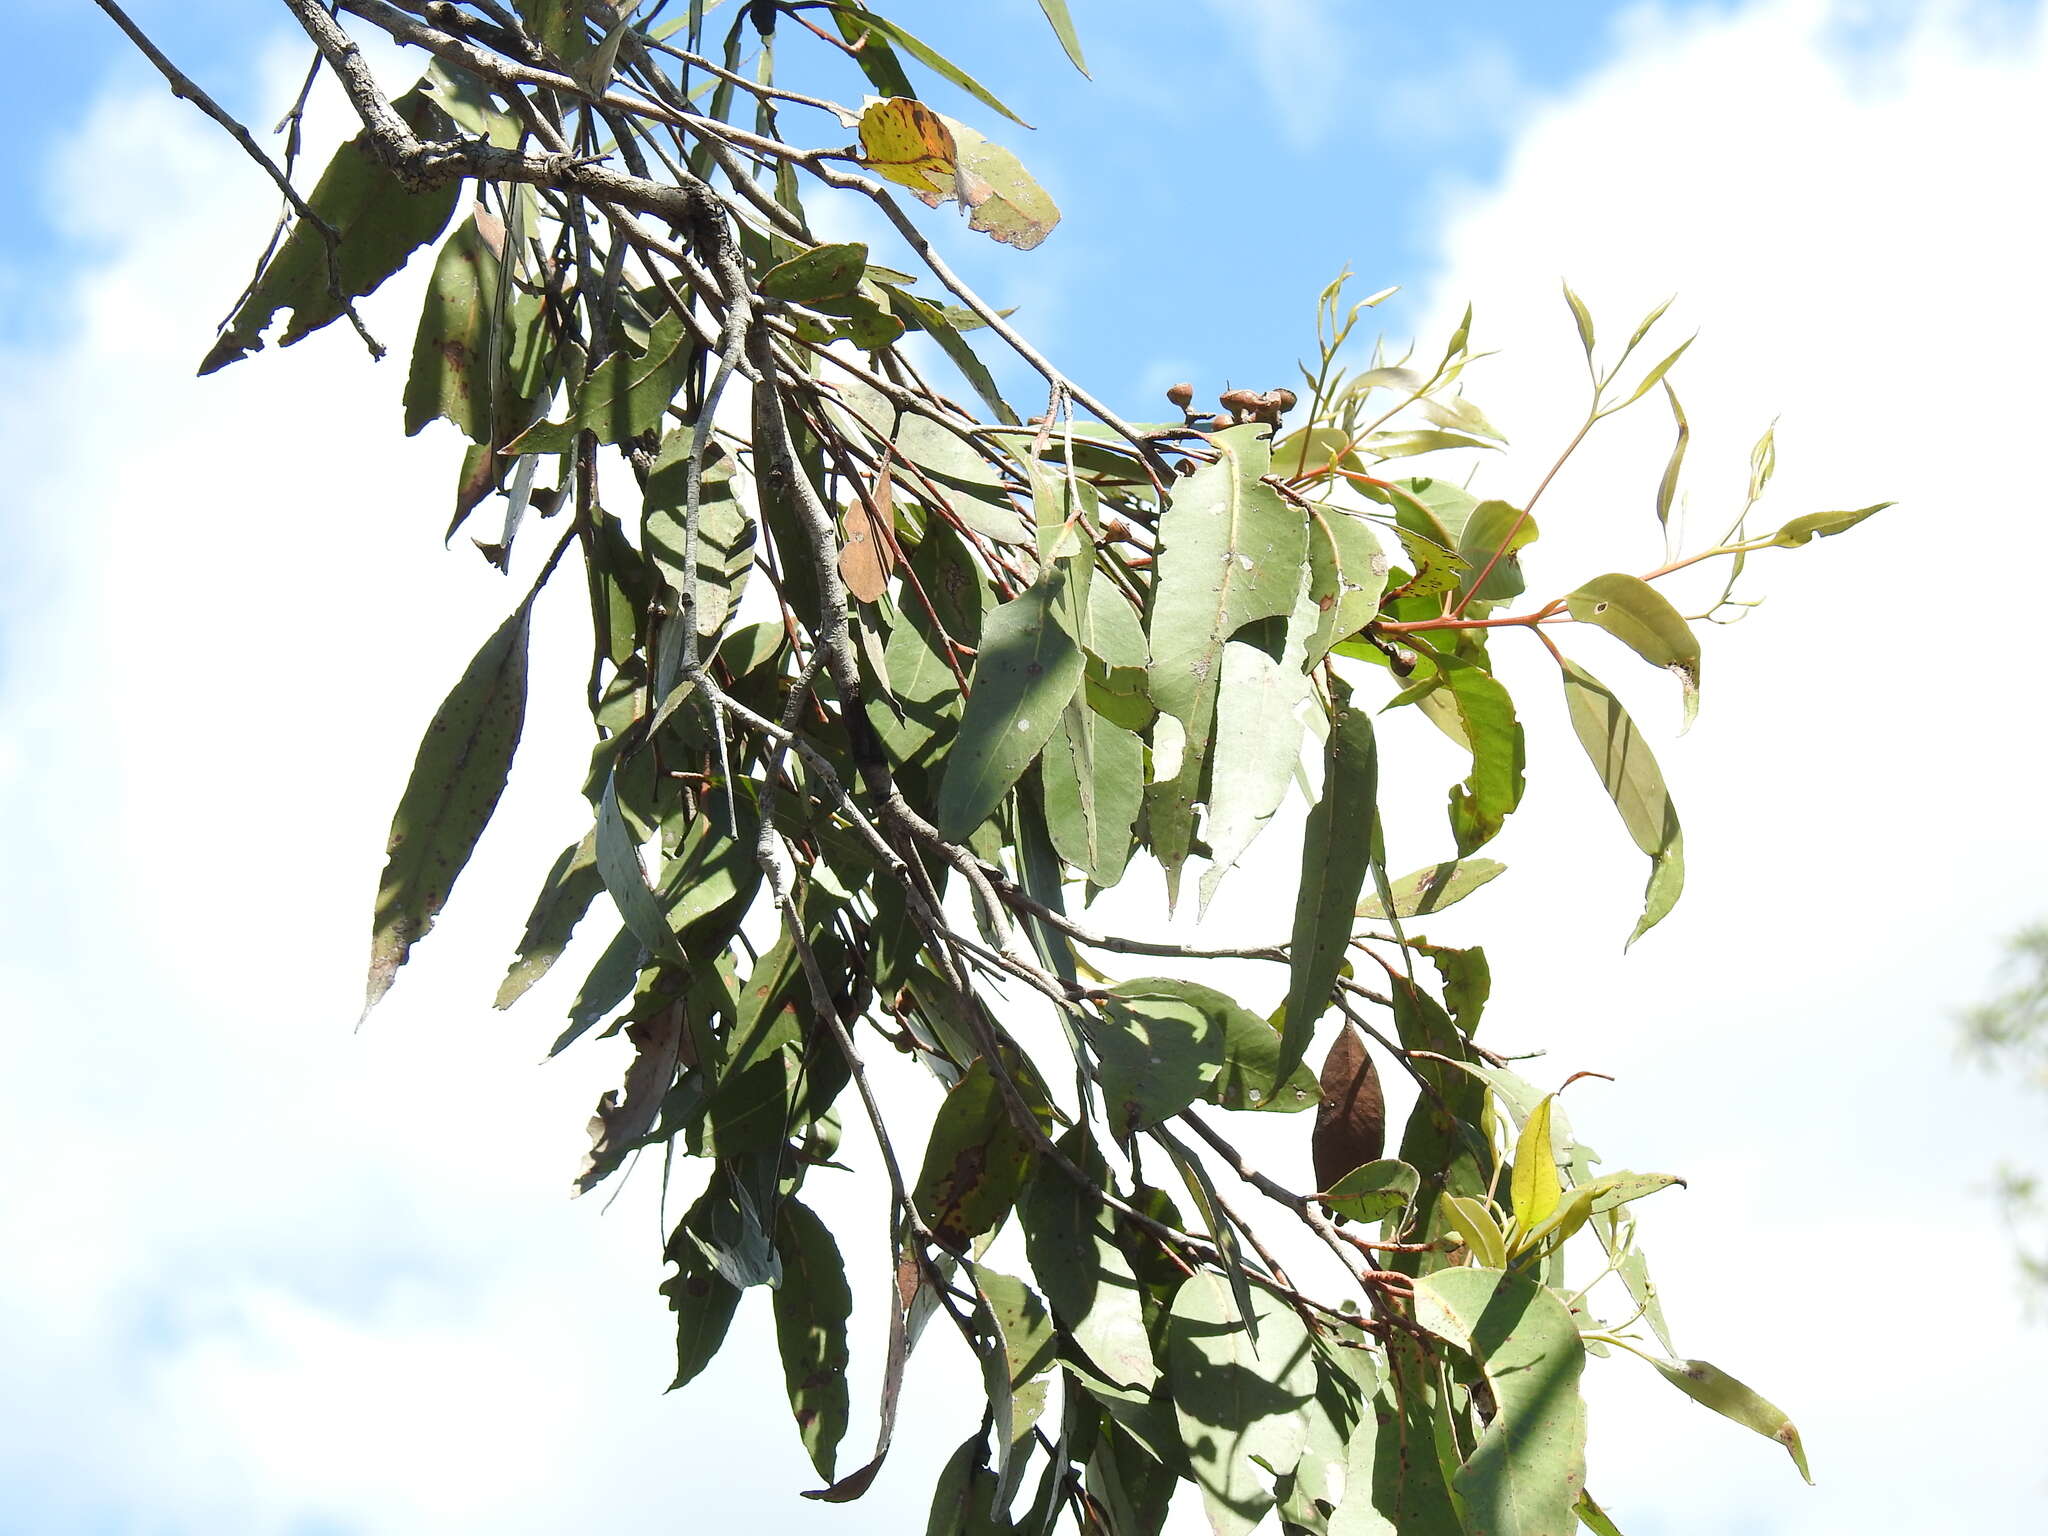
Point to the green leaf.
(964, 1500)
(1632, 780)
(811, 1308)
(1432, 889)
(1166, 1044)
(1376, 1191)
(1024, 1347)
(1004, 202)
(452, 351)
(1231, 553)
(379, 222)
(1667, 485)
(974, 1164)
(1257, 750)
(572, 884)
(1822, 525)
(1406, 445)
(1347, 577)
(1094, 781)
(1475, 1222)
(1582, 318)
(823, 272)
(1236, 1402)
(1653, 378)
(861, 19)
(1594, 1517)
(1634, 1270)
(624, 396)
(1028, 670)
(1337, 853)
(1714, 1388)
(703, 1302)
(1088, 1282)
(457, 777)
(1642, 618)
(1492, 541)
(1618, 1189)
(625, 877)
(1524, 1474)
(1063, 27)
(1535, 1189)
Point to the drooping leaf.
(975, 1162)
(1028, 670)
(1258, 743)
(811, 1309)
(1485, 719)
(463, 332)
(1063, 25)
(1642, 618)
(1714, 1388)
(572, 884)
(964, 1499)
(1594, 1518)
(1528, 1467)
(1087, 1280)
(866, 20)
(1236, 1401)
(1347, 577)
(1094, 779)
(1022, 1355)
(457, 777)
(625, 1115)
(1337, 853)
(380, 222)
(1633, 781)
(1351, 1113)
(1232, 552)
(1432, 889)
(704, 1303)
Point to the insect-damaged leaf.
(1642, 618)
(1235, 1401)
(974, 1163)
(1337, 853)
(380, 223)
(464, 335)
(1822, 525)
(1165, 1044)
(1004, 202)
(457, 777)
(624, 396)
(564, 897)
(823, 272)
(811, 1308)
(1231, 553)
(625, 1115)
(1028, 670)
(1432, 889)
(1632, 779)
(1019, 1352)
(1524, 1474)
(1714, 1388)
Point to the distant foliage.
(888, 682)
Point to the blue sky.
(269, 1276)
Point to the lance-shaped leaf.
(1094, 780)
(1633, 781)
(1337, 853)
(457, 777)
(1432, 889)
(1642, 618)
(1594, 1518)
(1063, 27)
(1231, 553)
(1524, 1475)
(1028, 670)
(974, 1164)
(1163, 1044)
(1015, 1367)
(1634, 1269)
(379, 221)
(1822, 525)
(966, 1498)
(1239, 1405)
(1535, 1188)
(572, 884)
(1714, 1388)
(1258, 737)
(461, 332)
(860, 19)
(811, 1308)
(703, 1301)
(1088, 1281)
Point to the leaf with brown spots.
(811, 1308)
(457, 777)
(974, 1163)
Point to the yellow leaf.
(910, 144)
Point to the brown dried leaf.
(867, 552)
(1351, 1121)
(627, 1113)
